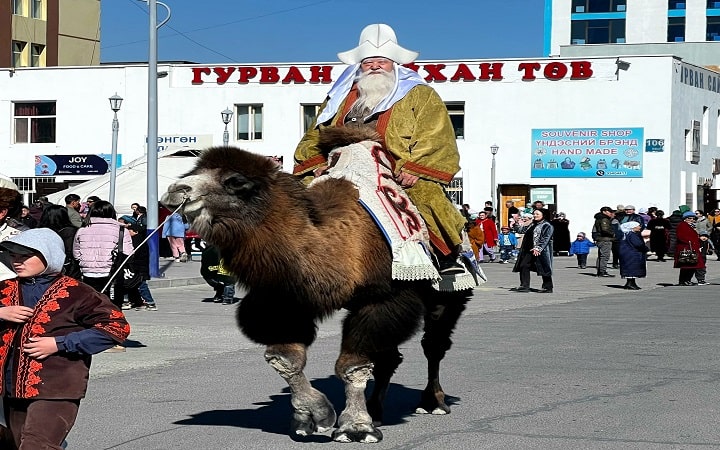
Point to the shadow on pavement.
(274, 415)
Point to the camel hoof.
(438, 410)
(363, 433)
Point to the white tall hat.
(378, 40)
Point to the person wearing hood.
(687, 239)
(50, 325)
(378, 91)
(632, 254)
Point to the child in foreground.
(50, 325)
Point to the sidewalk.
(176, 274)
(568, 279)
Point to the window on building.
(36, 57)
(692, 143)
(602, 31)
(713, 28)
(713, 4)
(34, 122)
(706, 125)
(676, 29)
(249, 122)
(457, 117)
(598, 6)
(17, 7)
(36, 9)
(455, 191)
(309, 113)
(676, 4)
(18, 49)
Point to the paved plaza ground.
(591, 366)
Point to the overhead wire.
(184, 34)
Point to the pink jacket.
(93, 245)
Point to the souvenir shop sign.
(587, 153)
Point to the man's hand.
(406, 180)
(320, 171)
(40, 347)
(536, 252)
(18, 314)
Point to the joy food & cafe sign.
(433, 73)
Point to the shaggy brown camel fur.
(305, 253)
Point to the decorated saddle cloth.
(369, 167)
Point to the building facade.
(45, 33)
(686, 28)
(576, 133)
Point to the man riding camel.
(377, 91)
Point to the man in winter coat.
(604, 235)
(376, 90)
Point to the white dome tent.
(131, 180)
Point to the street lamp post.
(493, 188)
(115, 103)
(226, 116)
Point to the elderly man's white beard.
(373, 88)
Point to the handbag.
(128, 276)
(688, 256)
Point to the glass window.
(457, 117)
(309, 114)
(34, 122)
(249, 122)
(676, 29)
(36, 9)
(17, 7)
(18, 49)
(713, 4)
(599, 31)
(676, 4)
(598, 6)
(713, 28)
(36, 57)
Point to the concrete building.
(689, 29)
(45, 33)
(577, 133)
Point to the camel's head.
(228, 189)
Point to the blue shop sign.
(586, 153)
(48, 165)
(654, 145)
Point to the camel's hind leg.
(442, 313)
(312, 411)
(385, 365)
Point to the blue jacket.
(508, 239)
(581, 247)
(174, 226)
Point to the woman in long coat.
(659, 228)
(632, 254)
(687, 238)
(536, 252)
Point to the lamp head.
(494, 149)
(226, 116)
(115, 102)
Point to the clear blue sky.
(262, 31)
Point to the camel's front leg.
(355, 424)
(312, 411)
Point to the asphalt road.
(591, 366)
